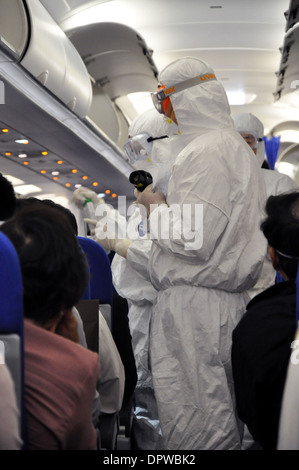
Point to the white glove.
(148, 197)
(108, 239)
(121, 246)
(81, 194)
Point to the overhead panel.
(68, 140)
(62, 9)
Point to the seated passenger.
(262, 340)
(60, 375)
(110, 386)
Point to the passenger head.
(149, 148)
(70, 216)
(29, 201)
(252, 131)
(143, 133)
(281, 228)
(54, 269)
(266, 165)
(7, 198)
(198, 102)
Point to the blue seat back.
(100, 285)
(12, 320)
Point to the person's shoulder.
(86, 361)
(283, 183)
(269, 304)
(50, 347)
(273, 294)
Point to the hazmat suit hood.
(150, 121)
(160, 161)
(202, 107)
(250, 124)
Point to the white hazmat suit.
(276, 183)
(202, 283)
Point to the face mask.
(139, 147)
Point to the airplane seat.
(100, 284)
(101, 287)
(123, 340)
(12, 323)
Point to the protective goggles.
(140, 146)
(161, 96)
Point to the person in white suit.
(203, 269)
(252, 130)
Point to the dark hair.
(7, 198)
(54, 268)
(266, 165)
(281, 228)
(22, 202)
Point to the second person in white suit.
(252, 130)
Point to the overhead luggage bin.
(116, 57)
(14, 28)
(53, 60)
(287, 87)
(33, 39)
(292, 14)
(103, 114)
